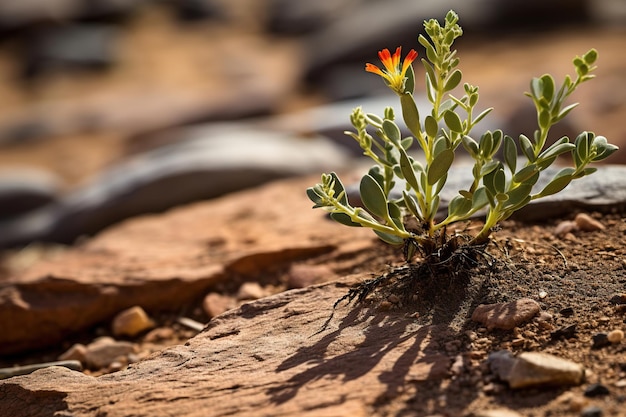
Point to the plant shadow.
(392, 341)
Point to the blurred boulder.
(287, 17)
(210, 161)
(70, 47)
(25, 189)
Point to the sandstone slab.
(161, 262)
(264, 358)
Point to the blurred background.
(113, 108)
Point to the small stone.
(250, 291)
(215, 304)
(618, 299)
(564, 228)
(596, 390)
(77, 352)
(543, 294)
(497, 412)
(566, 332)
(501, 363)
(131, 322)
(615, 336)
(600, 340)
(587, 223)
(532, 369)
(159, 334)
(567, 312)
(506, 316)
(592, 411)
(105, 350)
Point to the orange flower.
(393, 74)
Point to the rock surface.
(184, 253)
(266, 356)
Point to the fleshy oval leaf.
(440, 166)
(373, 196)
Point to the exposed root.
(447, 264)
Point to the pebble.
(497, 412)
(250, 291)
(592, 411)
(618, 299)
(587, 223)
(600, 340)
(566, 332)
(102, 352)
(159, 334)
(131, 322)
(615, 336)
(531, 369)
(596, 390)
(565, 227)
(78, 352)
(506, 315)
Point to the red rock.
(506, 316)
(131, 322)
(265, 358)
(587, 223)
(162, 262)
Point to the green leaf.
(471, 146)
(441, 183)
(432, 128)
(486, 144)
(344, 219)
(482, 115)
(557, 149)
(603, 148)
(374, 120)
(480, 199)
(440, 144)
(406, 143)
(453, 121)
(558, 183)
(590, 57)
(389, 238)
(453, 80)
(510, 153)
(430, 50)
(564, 112)
(499, 180)
(409, 84)
(376, 173)
(392, 131)
(535, 87)
(373, 197)
(489, 167)
(544, 119)
(527, 147)
(410, 114)
(339, 189)
(525, 173)
(314, 197)
(440, 166)
(547, 84)
(459, 206)
(430, 71)
(518, 195)
(411, 204)
(408, 172)
(396, 214)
